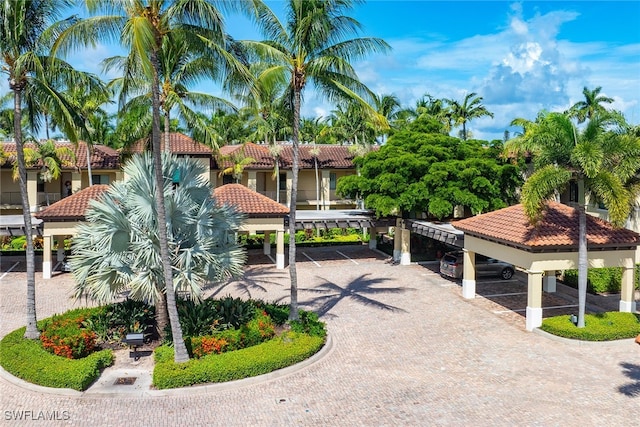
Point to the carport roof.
(74, 207)
(13, 225)
(442, 232)
(557, 231)
(248, 201)
(336, 218)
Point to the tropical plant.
(118, 248)
(37, 79)
(312, 47)
(463, 112)
(239, 160)
(590, 107)
(602, 158)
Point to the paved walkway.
(406, 350)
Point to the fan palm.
(37, 79)
(312, 47)
(602, 158)
(117, 249)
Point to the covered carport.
(542, 250)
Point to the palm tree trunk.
(582, 264)
(167, 128)
(293, 274)
(89, 163)
(180, 350)
(315, 164)
(32, 327)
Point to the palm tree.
(51, 159)
(36, 79)
(470, 108)
(312, 48)
(601, 158)
(118, 249)
(143, 26)
(239, 161)
(587, 109)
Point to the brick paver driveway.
(407, 350)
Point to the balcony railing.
(14, 198)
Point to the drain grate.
(125, 381)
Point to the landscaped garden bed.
(598, 327)
(227, 339)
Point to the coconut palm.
(602, 158)
(312, 47)
(587, 109)
(143, 26)
(50, 157)
(470, 108)
(239, 161)
(37, 79)
(117, 249)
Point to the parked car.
(451, 265)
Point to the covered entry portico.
(542, 250)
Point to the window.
(283, 182)
(573, 192)
(332, 181)
(100, 179)
(227, 179)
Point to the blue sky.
(521, 57)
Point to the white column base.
(405, 259)
(549, 284)
(280, 261)
(534, 318)
(373, 243)
(396, 255)
(46, 269)
(627, 306)
(468, 289)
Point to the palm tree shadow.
(255, 281)
(331, 294)
(631, 371)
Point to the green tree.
(239, 161)
(602, 158)
(143, 26)
(117, 249)
(49, 157)
(470, 108)
(312, 46)
(37, 79)
(587, 109)
(422, 170)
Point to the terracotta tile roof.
(260, 153)
(72, 207)
(248, 201)
(558, 230)
(178, 142)
(329, 156)
(102, 157)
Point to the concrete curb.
(326, 350)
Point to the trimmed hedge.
(598, 327)
(278, 353)
(28, 360)
(601, 280)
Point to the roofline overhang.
(557, 248)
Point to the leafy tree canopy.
(422, 170)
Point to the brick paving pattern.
(406, 350)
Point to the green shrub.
(308, 323)
(65, 335)
(598, 327)
(600, 280)
(28, 360)
(269, 356)
(279, 313)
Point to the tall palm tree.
(312, 47)
(117, 249)
(36, 78)
(49, 157)
(470, 108)
(143, 26)
(601, 158)
(587, 109)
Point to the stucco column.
(405, 254)
(280, 249)
(289, 187)
(373, 238)
(251, 180)
(549, 281)
(266, 247)
(534, 300)
(627, 301)
(76, 181)
(46, 257)
(60, 253)
(32, 191)
(325, 190)
(469, 274)
(213, 179)
(397, 240)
